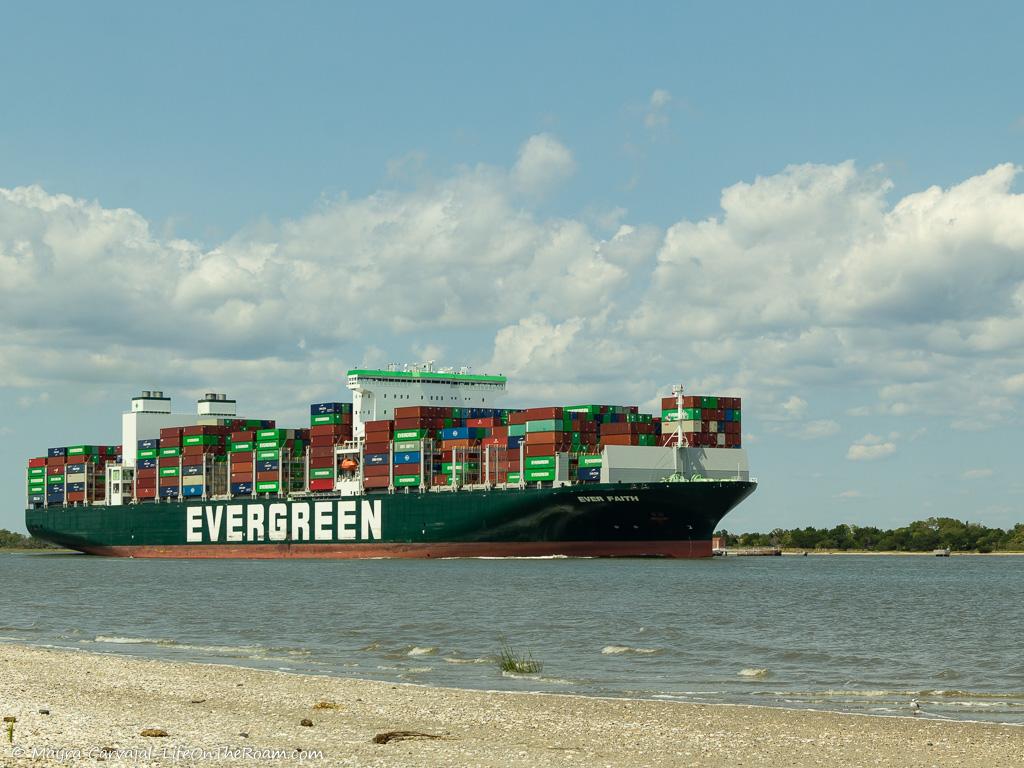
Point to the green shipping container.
(647, 440)
(202, 440)
(410, 434)
(516, 430)
(242, 447)
(735, 415)
(37, 471)
(37, 487)
(540, 462)
(55, 480)
(709, 402)
(539, 475)
(590, 460)
(148, 453)
(324, 418)
(588, 409)
(406, 480)
(544, 425)
(266, 455)
(268, 486)
(462, 466)
(81, 450)
(170, 451)
(325, 473)
(266, 444)
(168, 471)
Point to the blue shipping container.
(192, 469)
(168, 491)
(37, 498)
(241, 488)
(192, 490)
(148, 443)
(413, 457)
(56, 451)
(55, 498)
(74, 469)
(267, 465)
(72, 487)
(515, 442)
(589, 473)
(455, 433)
(375, 458)
(146, 464)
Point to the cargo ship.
(419, 464)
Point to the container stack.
(242, 456)
(70, 475)
(330, 426)
(169, 463)
(708, 420)
(204, 460)
(376, 454)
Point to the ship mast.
(677, 390)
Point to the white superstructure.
(376, 393)
(151, 411)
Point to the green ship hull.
(670, 519)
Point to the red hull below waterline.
(667, 549)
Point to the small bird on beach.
(915, 707)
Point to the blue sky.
(816, 207)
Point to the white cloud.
(808, 278)
(657, 105)
(869, 448)
(813, 430)
(543, 162)
(978, 474)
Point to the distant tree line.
(919, 536)
(14, 540)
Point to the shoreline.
(98, 700)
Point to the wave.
(614, 650)
(421, 651)
(754, 672)
(242, 651)
(456, 660)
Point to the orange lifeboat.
(349, 464)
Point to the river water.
(849, 633)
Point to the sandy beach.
(76, 708)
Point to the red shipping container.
(619, 439)
(548, 438)
(321, 450)
(375, 447)
(483, 422)
(543, 450)
(380, 425)
(375, 470)
(321, 484)
(241, 477)
(169, 432)
(169, 482)
(168, 461)
(145, 493)
(55, 469)
(330, 430)
(488, 441)
(447, 445)
(375, 482)
(325, 441)
(170, 442)
(263, 477)
(39, 462)
(54, 461)
(321, 462)
(75, 496)
(243, 436)
(412, 411)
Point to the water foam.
(614, 650)
(753, 672)
(421, 651)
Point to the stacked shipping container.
(330, 425)
(707, 420)
(70, 474)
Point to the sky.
(816, 206)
